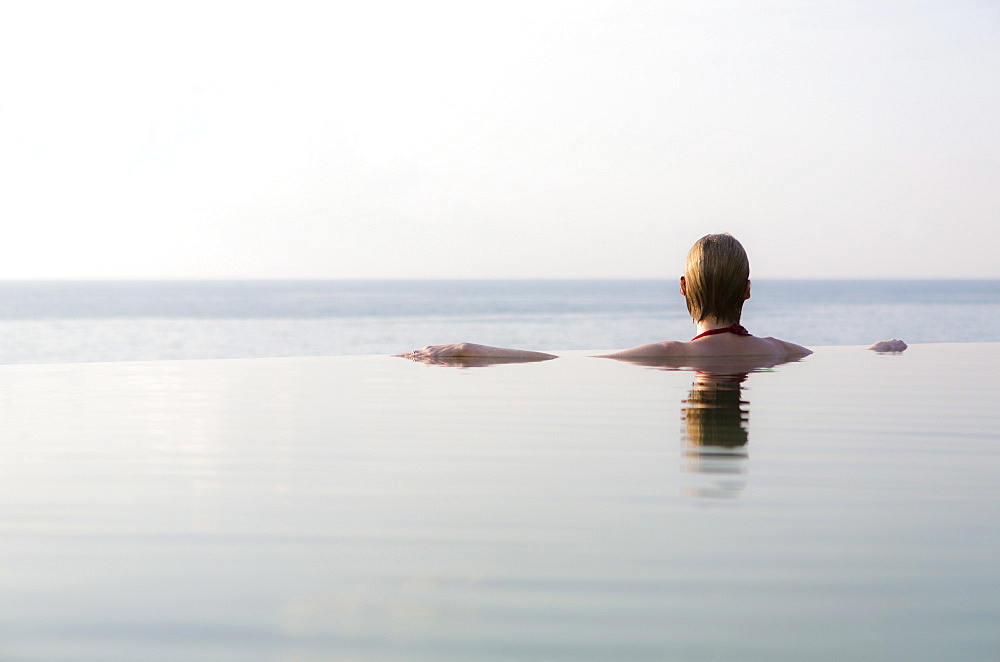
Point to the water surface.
(370, 508)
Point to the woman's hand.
(888, 346)
(453, 350)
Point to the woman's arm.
(472, 350)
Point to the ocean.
(99, 321)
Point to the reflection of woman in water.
(715, 421)
(715, 418)
(715, 284)
(714, 414)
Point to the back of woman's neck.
(710, 323)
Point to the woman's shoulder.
(789, 349)
(667, 348)
(724, 345)
(739, 345)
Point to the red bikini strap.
(735, 328)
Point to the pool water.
(846, 506)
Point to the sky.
(576, 139)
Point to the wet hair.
(715, 277)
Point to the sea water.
(58, 322)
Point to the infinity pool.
(373, 509)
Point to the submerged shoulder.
(788, 349)
(666, 348)
(716, 345)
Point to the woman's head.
(716, 278)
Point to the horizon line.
(290, 279)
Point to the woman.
(715, 284)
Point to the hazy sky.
(498, 139)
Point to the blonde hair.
(715, 277)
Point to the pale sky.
(430, 139)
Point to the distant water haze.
(68, 322)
